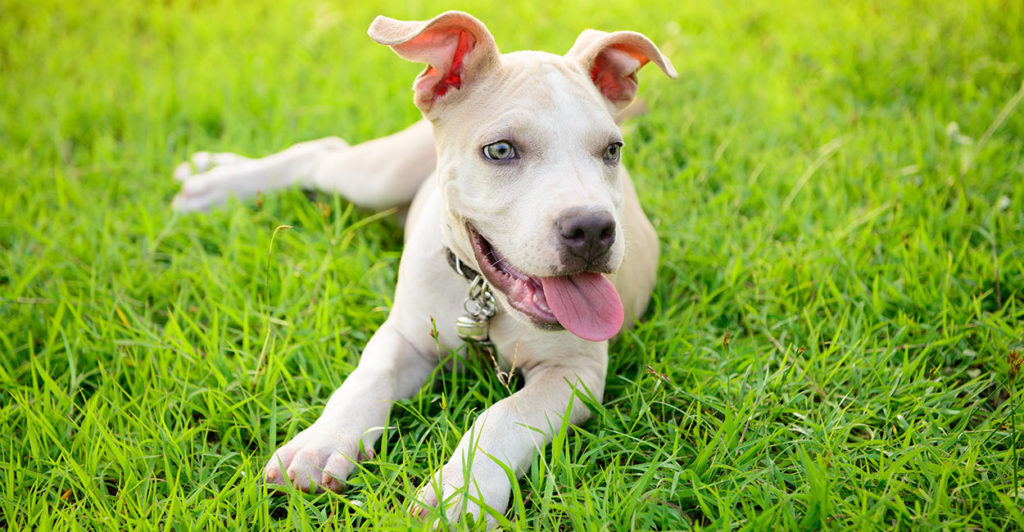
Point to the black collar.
(460, 267)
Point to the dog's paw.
(461, 493)
(204, 161)
(209, 179)
(204, 179)
(317, 459)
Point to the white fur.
(560, 122)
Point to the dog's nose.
(586, 234)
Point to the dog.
(523, 235)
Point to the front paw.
(480, 490)
(317, 459)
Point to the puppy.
(524, 235)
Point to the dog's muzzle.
(585, 303)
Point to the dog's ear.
(613, 59)
(455, 46)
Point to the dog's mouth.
(585, 303)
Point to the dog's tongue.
(586, 304)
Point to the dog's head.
(529, 161)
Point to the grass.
(838, 189)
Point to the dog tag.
(472, 329)
(473, 326)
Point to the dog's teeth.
(540, 302)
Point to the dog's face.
(529, 162)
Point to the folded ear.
(456, 47)
(612, 59)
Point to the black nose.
(586, 234)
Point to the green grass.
(839, 190)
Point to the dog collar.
(460, 267)
(480, 306)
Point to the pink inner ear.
(454, 77)
(614, 74)
(431, 84)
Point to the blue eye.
(613, 152)
(500, 151)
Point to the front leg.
(322, 456)
(510, 432)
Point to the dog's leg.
(377, 174)
(322, 456)
(509, 433)
(212, 178)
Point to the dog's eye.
(500, 151)
(613, 152)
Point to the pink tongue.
(586, 304)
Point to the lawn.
(838, 189)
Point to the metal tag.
(472, 329)
(480, 307)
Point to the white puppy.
(515, 175)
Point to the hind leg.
(377, 174)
